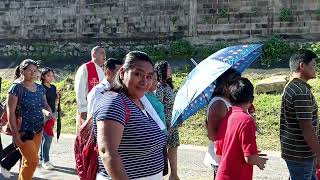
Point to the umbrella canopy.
(197, 90)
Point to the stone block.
(262, 3)
(271, 84)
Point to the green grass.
(193, 131)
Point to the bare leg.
(173, 161)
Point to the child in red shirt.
(236, 139)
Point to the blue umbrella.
(197, 90)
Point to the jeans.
(45, 147)
(30, 159)
(305, 170)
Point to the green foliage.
(4, 89)
(317, 12)
(286, 14)
(202, 52)
(315, 47)
(181, 48)
(277, 51)
(173, 19)
(267, 117)
(156, 53)
(117, 53)
(206, 19)
(179, 78)
(223, 12)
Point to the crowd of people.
(130, 103)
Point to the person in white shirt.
(88, 75)
(111, 67)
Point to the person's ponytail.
(17, 73)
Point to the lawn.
(193, 130)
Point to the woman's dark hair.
(241, 91)
(23, 66)
(129, 63)
(111, 63)
(223, 82)
(44, 72)
(161, 70)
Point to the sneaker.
(47, 166)
(5, 173)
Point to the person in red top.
(236, 139)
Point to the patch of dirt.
(265, 73)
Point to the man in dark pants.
(300, 146)
(8, 158)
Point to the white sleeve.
(90, 99)
(81, 88)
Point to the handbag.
(5, 126)
(86, 148)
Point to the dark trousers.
(165, 168)
(9, 156)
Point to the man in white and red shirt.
(111, 67)
(88, 75)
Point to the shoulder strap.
(20, 93)
(127, 110)
(216, 98)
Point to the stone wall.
(245, 19)
(135, 20)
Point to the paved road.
(189, 160)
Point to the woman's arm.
(109, 135)
(11, 109)
(46, 106)
(217, 112)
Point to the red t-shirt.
(236, 138)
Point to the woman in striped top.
(129, 141)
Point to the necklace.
(32, 88)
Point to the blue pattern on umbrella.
(196, 92)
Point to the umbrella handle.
(194, 61)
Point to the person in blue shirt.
(31, 98)
(159, 107)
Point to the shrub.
(286, 15)
(315, 47)
(201, 52)
(277, 51)
(223, 12)
(156, 53)
(181, 49)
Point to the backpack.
(86, 148)
(4, 121)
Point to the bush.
(181, 49)
(156, 53)
(201, 52)
(315, 47)
(277, 51)
(286, 15)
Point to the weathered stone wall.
(98, 19)
(243, 19)
(135, 20)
